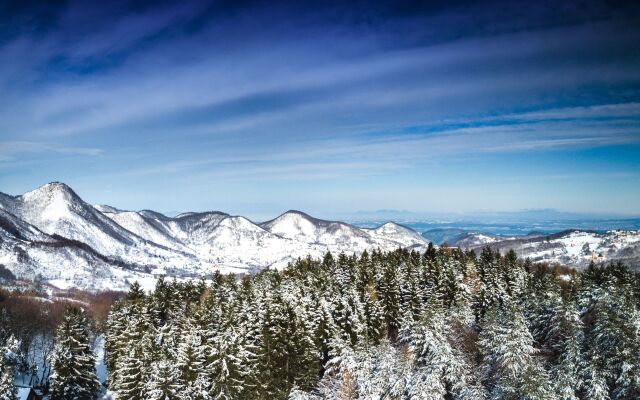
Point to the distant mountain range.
(530, 215)
(573, 247)
(52, 232)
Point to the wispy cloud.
(365, 156)
(353, 91)
(9, 150)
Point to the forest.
(443, 324)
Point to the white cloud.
(12, 149)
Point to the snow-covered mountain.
(52, 232)
(573, 247)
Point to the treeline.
(401, 325)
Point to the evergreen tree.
(73, 360)
(162, 383)
(389, 294)
(509, 364)
(438, 325)
(135, 292)
(130, 380)
(191, 356)
(566, 338)
(225, 367)
(445, 368)
(8, 391)
(596, 383)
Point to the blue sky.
(259, 107)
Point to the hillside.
(51, 231)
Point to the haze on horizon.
(254, 107)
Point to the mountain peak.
(294, 217)
(56, 186)
(298, 213)
(52, 189)
(392, 226)
(393, 229)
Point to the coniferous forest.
(401, 325)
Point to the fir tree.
(162, 383)
(566, 337)
(509, 364)
(8, 390)
(131, 377)
(73, 361)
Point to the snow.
(63, 284)
(101, 367)
(23, 393)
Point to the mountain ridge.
(53, 232)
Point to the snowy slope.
(73, 263)
(15, 228)
(574, 248)
(476, 239)
(398, 234)
(51, 231)
(56, 209)
(299, 226)
(145, 225)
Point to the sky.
(255, 107)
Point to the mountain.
(575, 248)
(441, 235)
(29, 252)
(52, 232)
(299, 226)
(399, 234)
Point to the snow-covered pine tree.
(136, 292)
(410, 288)
(8, 390)
(542, 300)
(491, 289)
(131, 377)
(191, 357)
(513, 275)
(115, 341)
(73, 361)
(348, 314)
(509, 365)
(162, 383)
(373, 315)
(444, 369)
(595, 381)
(137, 349)
(613, 334)
(565, 337)
(250, 332)
(389, 296)
(224, 368)
(324, 330)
